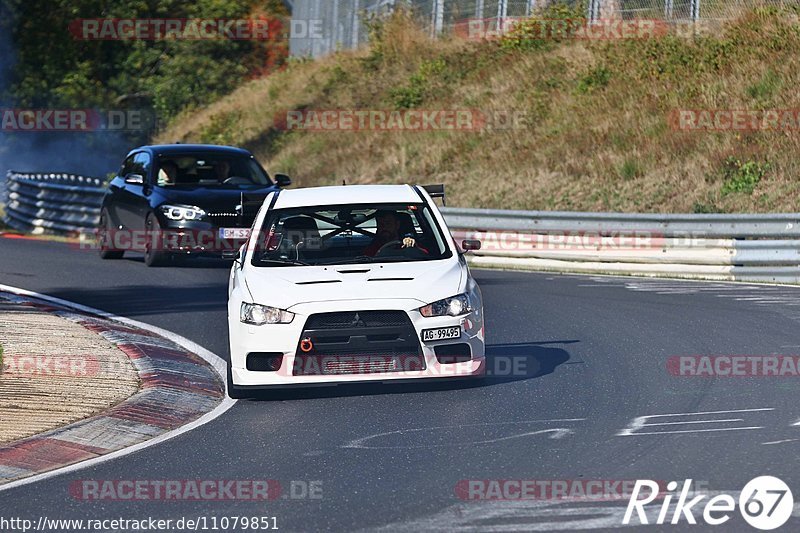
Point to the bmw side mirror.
(282, 180)
(470, 245)
(231, 254)
(134, 179)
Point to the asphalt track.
(591, 354)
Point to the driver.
(223, 170)
(388, 230)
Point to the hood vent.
(391, 279)
(318, 282)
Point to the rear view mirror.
(282, 180)
(231, 254)
(470, 245)
(134, 179)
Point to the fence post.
(479, 6)
(502, 12)
(335, 26)
(356, 21)
(695, 10)
(438, 17)
(315, 46)
(530, 7)
(593, 10)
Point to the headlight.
(176, 212)
(455, 306)
(258, 315)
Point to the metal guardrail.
(754, 248)
(758, 248)
(52, 202)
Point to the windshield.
(346, 234)
(210, 170)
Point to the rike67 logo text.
(765, 503)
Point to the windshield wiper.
(357, 259)
(369, 259)
(281, 262)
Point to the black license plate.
(441, 334)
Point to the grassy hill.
(597, 132)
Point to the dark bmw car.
(183, 199)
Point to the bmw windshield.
(189, 171)
(349, 234)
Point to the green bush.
(596, 78)
(553, 24)
(766, 87)
(630, 169)
(742, 176)
(413, 94)
(223, 128)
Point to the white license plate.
(234, 233)
(440, 334)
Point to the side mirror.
(470, 245)
(134, 179)
(231, 254)
(282, 180)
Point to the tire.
(106, 252)
(153, 255)
(234, 392)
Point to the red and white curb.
(182, 388)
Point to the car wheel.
(234, 392)
(103, 238)
(154, 256)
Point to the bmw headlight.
(176, 212)
(454, 306)
(258, 315)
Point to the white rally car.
(352, 283)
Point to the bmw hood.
(214, 199)
(420, 282)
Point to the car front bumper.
(197, 238)
(284, 339)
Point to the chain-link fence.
(324, 26)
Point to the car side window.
(142, 164)
(127, 167)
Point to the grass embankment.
(596, 135)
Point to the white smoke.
(92, 154)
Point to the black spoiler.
(436, 191)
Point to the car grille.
(367, 319)
(231, 220)
(315, 365)
(358, 342)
